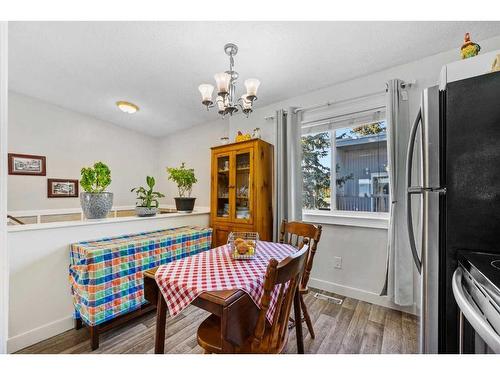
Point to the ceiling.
(88, 66)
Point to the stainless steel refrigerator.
(459, 127)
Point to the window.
(358, 151)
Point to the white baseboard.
(38, 334)
(360, 294)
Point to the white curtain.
(400, 268)
(288, 186)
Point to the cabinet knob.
(231, 186)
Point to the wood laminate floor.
(353, 327)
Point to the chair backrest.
(284, 275)
(294, 233)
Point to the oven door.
(479, 316)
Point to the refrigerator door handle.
(412, 190)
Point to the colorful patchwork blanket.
(106, 275)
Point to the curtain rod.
(332, 102)
(404, 84)
(342, 117)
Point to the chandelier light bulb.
(222, 80)
(206, 91)
(252, 85)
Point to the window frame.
(333, 215)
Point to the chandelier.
(226, 100)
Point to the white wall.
(70, 141)
(363, 253)
(4, 259)
(193, 147)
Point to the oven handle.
(476, 320)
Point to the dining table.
(215, 282)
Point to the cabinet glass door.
(223, 184)
(243, 181)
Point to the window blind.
(344, 120)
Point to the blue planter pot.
(96, 205)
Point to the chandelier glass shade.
(225, 82)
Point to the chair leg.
(298, 327)
(307, 317)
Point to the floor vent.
(324, 297)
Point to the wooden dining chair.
(263, 337)
(294, 233)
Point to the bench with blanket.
(106, 275)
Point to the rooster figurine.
(469, 49)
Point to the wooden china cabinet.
(241, 190)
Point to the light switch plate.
(337, 262)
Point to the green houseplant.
(96, 202)
(185, 179)
(147, 199)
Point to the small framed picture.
(28, 165)
(60, 188)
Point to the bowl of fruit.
(243, 245)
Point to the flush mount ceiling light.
(127, 107)
(227, 101)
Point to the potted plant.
(184, 178)
(96, 203)
(147, 204)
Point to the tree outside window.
(360, 155)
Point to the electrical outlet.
(337, 262)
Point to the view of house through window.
(360, 181)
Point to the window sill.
(378, 220)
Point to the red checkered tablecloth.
(185, 279)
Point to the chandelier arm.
(232, 87)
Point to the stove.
(476, 287)
(485, 270)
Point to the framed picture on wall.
(61, 188)
(27, 165)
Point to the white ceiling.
(88, 66)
